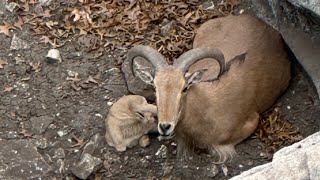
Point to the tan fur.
(124, 127)
(220, 114)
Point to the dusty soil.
(74, 107)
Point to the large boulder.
(299, 23)
(298, 161)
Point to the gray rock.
(162, 152)
(139, 84)
(17, 43)
(19, 159)
(312, 5)
(116, 83)
(92, 145)
(59, 153)
(299, 29)
(40, 124)
(212, 170)
(167, 169)
(86, 166)
(45, 2)
(2, 7)
(298, 161)
(11, 6)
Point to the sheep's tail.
(223, 153)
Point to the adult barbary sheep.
(219, 109)
(129, 120)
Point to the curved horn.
(192, 56)
(148, 53)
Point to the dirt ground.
(44, 101)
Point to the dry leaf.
(19, 23)
(2, 62)
(6, 28)
(8, 89)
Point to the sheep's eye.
(140, 115)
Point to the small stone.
(241, 11)
(148, 157)
(85, 166)
(288, 107)
(166, 169)
(59, 153)
(12, 134)
(53, 56)
(92, 145)
(112, 71)
(61, 133)
(162, 152)
(143, 162)
(45, 2)
(17, 43)
(60, 164)
(213, 171)
(109, 103)
(126, 158)
(144, 141)
(40, 124)
(41, 143)
(240, 166)
(250, 163)
(224, 169)
(2, 7)
(21, 86)
(11, 6)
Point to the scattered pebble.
(241, 11)
(148, 157)
(109, 103)
(166, 169)
(12, 134)
(45, 2)
(85, 166)
(162, 151)
(61, 133)
(11, 6)
(98, 115)
(59, 153)
(60, 164)
(250, 163)
(53, 56)
(17, 43)
(224, 169)
(288, 107)
(213, 171)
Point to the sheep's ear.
(145, 76)
(194, 78)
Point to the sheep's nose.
(164, 127)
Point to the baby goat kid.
(219, 114)
(128, 121)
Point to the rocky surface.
(139, 83)
(20, 159)
(298, 161)
(52, 114)
(312, 5)
(299, 28)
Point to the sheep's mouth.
(166, 137)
